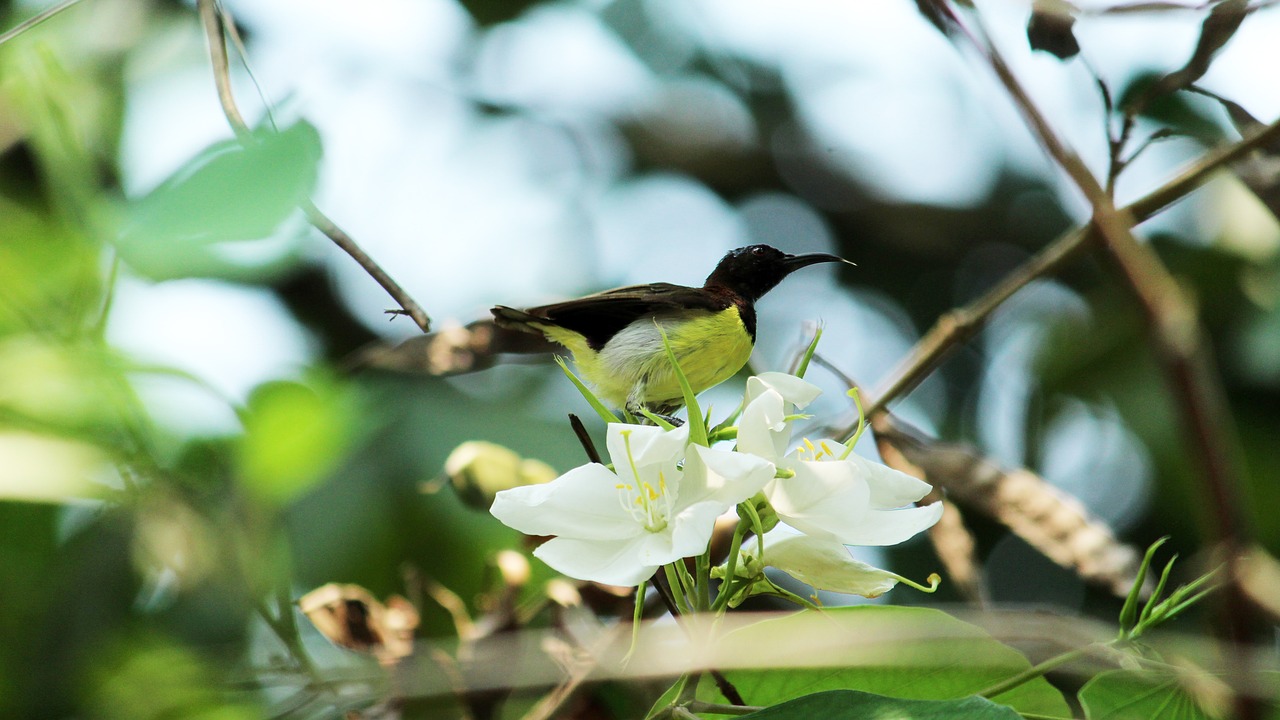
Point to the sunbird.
(617, 345)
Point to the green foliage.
(1161, 695)
(921, 654)
(854, 705)
(232, 191)
(294, 435)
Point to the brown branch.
(962, 323)
(215, 30)
(1050, 520)
(1176, 335)
(1170, 315)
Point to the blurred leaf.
(294, 436)
(151, 679)
(1050, 28)
(1218, 28)
(47, 469)
(1158, 695)
(50, 274)
(230, 192)
(854, 705)
(492, 12)
(915, 653)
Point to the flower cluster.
(659, 502)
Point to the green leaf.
(1159, 695)
(854, 705)
(294, 435)
(697, 424)
(605, 413)
(232, 191)
(903, 652)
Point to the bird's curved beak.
(795, 262)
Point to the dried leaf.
(1050, 28)
(350, 617)
(1049, 519)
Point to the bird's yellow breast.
(633, 366)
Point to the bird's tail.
(506, 317)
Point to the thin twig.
(34, 21)
(1171, 316)
(214, 28)
(962, 323)
(1176, 334)
(584, 437)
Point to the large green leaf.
(232, 191)
(1159, 695)
(854, 705)
(902, 652)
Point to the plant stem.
(730, 567)
(1036, 671)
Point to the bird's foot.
(645, 415)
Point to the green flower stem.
(703, 564)
(728, 432)
(730, 568)
(1036, 671)
(677, 589)
(757, 526)
(862, 424)
(697, 706)
(688, 585)
(635, 621)
(786, 594)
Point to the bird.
(615, 336)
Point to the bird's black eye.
(757, 250)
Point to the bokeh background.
(180, 441)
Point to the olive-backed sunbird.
(615, 340)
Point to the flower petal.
(612, 563)
(890, 527)
(890, 488)
(824, 499)
(582, 503)
(823, 564)
(794, 390)
(724, 477)
(762, 429)
(688, 533)
(649, 445)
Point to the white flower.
(834, 494)
(824, 564)
(619, 527)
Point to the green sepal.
(1129, 613)
(697, 426)
(605, 413)
(808, 353)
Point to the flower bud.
(479, 470)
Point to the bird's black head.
(754, 270)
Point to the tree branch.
(960, 324)
(215, 30)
